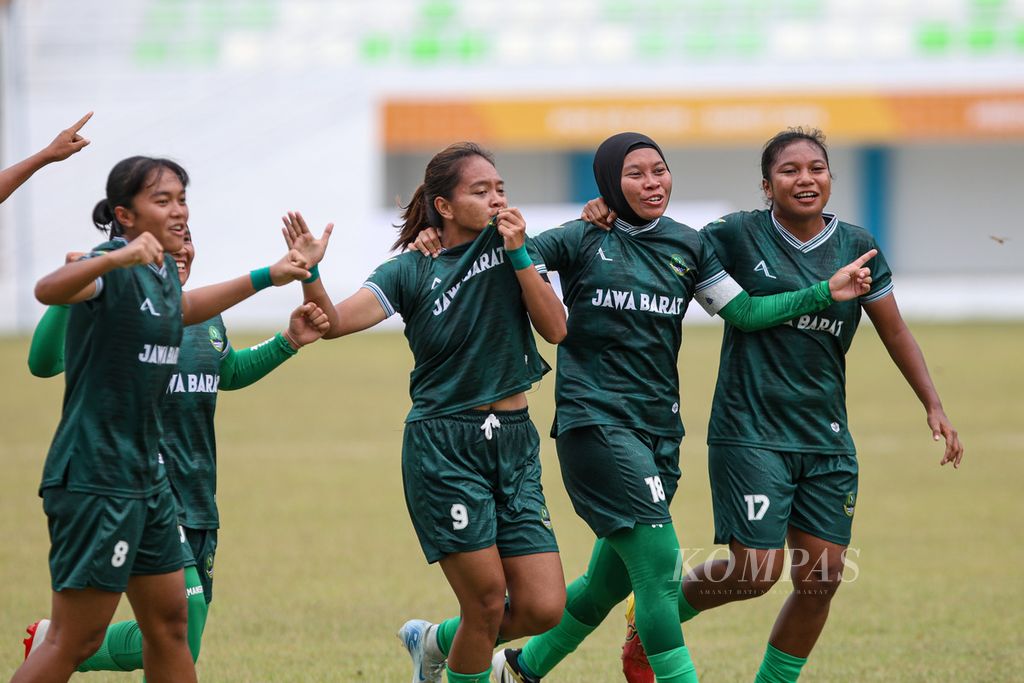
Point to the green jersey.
(189, 446)
(784, 388)
(121, 348)
(466, 324)
(627, 291)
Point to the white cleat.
(36, 635)
(420, 639)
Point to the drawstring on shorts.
(489, 424)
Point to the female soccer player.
(617, 424)
(111, 515)
(781, 459)
(67, 142)
(207, 363)
(470, 460)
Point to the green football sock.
(122, 645)
(455, 677)
(446, 634)
(121, 649)
(779, 667)
(588, 600)
(198, 609)
(650, 553)
(542, 653)
(686, 610)
(674, 666)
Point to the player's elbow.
(42, 372)
(334, 332)
(554, 333)
(46, 294)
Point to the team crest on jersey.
(545, 516)
(849, 504)
(679, 266)
(216, 340)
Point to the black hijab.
(608, 160)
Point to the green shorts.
(472, 480)
(100, 541)
(202, 547)
(758, 494)
(618, 477)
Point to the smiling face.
(479, 194)
(159, 208)
(799, 182)
(646, 183)
(184, 256)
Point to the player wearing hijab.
(617, 425)
(781, 458)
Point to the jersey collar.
(832, 222)
(633, 229)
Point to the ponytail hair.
(103, 219)
(442, 175)
(128, 178)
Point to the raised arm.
(203, 303)
(358, 312)
(760, 312)
(239, 369)
(74, 282)
(546, 312)
(66, 143)
(905, 352)
(297, 236)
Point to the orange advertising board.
(569, 123)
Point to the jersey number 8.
(120, 554)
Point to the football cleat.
(505, 668)
(36, 635)
(419, 639)
(635, 666)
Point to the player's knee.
(543, 613)
(83, 646)
(485, 608)
(762, 570)
(760, 586)
(168, 627)
(818, 585)
(76, 645)
(815, 595)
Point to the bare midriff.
(513, 402)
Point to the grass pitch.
(318, 564)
